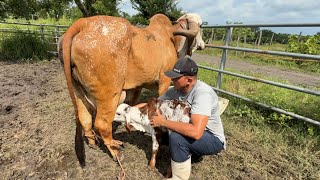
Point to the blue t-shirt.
(203, 100)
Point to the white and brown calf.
(139, 118)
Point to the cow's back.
(152, 52)
(100, 52)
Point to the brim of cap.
(172, 74)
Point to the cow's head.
(188, 34)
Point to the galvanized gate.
(224, 57)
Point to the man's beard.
(183, 89)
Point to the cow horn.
(191, 33)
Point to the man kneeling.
(204, 135)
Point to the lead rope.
(122, 174)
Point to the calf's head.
(123, 114)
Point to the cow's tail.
(67, 43)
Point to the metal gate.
(227, 47)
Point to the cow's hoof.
(116, 143)
(93, 146)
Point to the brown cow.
(105, 56)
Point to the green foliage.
(98, 7)
(148, 8)
(138, 19)
(23, 46)
(106, 7)
(53, 8)
(21, 8)
(33, 9)
(2, 10)
(309, 46)
(73, 13)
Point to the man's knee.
(179, 147)
(174, 138)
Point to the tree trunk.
(83, 8)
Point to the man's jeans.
(181, 147)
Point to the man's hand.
(157, 119)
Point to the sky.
(252, 12)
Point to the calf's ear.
(152, 107)
(127, 123)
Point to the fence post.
(42, 32)
(224, 57)
(57, 34)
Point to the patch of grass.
(30, 46)
(24, 46)
(269, 151)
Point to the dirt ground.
(37, 138)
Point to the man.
(204, 134)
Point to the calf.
(139, 118)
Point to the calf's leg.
(155, 148)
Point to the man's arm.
(194, 129)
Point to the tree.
(19, 8)
(310, 46)
(53, 8)
(2, 9)
(148, 8)
(95, 7)
(73, 13)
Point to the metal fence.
(50, 31)
(227, 47)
